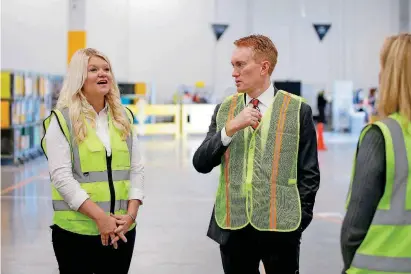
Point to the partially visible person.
(372, 97)
(321, 105)
(376, 232)
(372, 103)
(265, 142)
(95, 169)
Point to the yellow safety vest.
(387, 245)
(258, 179)
(105, 179)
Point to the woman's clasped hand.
(113, 227)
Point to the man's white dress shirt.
(266, 99)
(59, 163)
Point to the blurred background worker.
(321, 105)
(95, 170)
(376, 232)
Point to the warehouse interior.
(171, 60)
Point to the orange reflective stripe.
(227, 200)
(276, 160)
(227, 163)
(232, 107)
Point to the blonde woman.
(376, 232)
(95, 170)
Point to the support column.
(405, 14)
(76, 38)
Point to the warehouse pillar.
(77, 27)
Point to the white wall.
(365, 34)
(409, 17)
(170, 42)
(107, 30)
(166, 42)
(349, 50)
(34, 35)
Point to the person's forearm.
(133, 206)
(308, 188)
(209, 154)
(231, 128)
(308, 180)
(92, 210)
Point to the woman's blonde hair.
(72, 97)
(395, 76)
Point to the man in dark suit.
(265, 143)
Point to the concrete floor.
(171, 235)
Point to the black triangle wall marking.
(219, 30)
(321, 30)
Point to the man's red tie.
(255, 103)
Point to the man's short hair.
(263, 48)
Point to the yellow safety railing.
(196, 118)
(142, 111)
(187, 118)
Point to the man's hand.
(247, 117)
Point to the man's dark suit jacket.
(209, 154)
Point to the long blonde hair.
(72, 97)
(395, 76)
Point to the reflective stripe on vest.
(392, 211)
(119, 205)
(102, 176)
(382, 264)
(259, 168)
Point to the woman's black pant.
(82, 254)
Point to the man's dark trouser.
(245, 248)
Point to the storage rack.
(26, 100)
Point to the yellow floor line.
(329, 219)
(24, 182)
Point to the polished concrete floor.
(172, 224)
